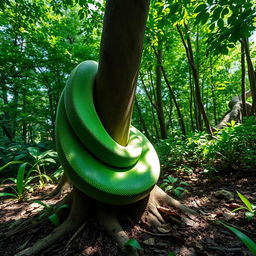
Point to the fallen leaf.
(150, 241)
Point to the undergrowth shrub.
(232, 147)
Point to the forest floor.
(187, 236)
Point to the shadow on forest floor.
(199, 235)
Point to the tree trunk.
(24, 122)
(144, 127)
(251, 74)
(243, 90)
(235, 112)
(180, 118)
(120, 55)
(160, 112)
(189, 52)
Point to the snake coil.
(95, 163)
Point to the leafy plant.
(249, 207)
(40, 161)
(51, 212)
(21, 183)
(172, 185)
(36, 171)
(133, 243)
(248, 242)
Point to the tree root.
(63, 185)
(77, 216)
(148, 209)
(32, 222)
(108, 218)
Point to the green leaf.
(48, 153)
(205, 18)
(63, 206)
(212, 26)
(171, 254)
(224, 12)
(200, 8)
(245, 201)
(10, 163)
(216, 13)
(174, 8)
(7, 194)
(172, 179)
(250, 244)
(49, 160)
(33, 152)
(239, 208)
(41, 203)
(20, 179)
(249, 215)
(220, 23)
(133, 243)
(54, 219)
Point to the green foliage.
(233, 146)
(249, 207)
(248, 242)
(21, 183)
(25, 175)
(50, 211)
(133, 243)
(229, 21)
(173, 185)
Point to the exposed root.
(63, 185)
(33, 222)
(24, 226)
(107, 216)
(76, 217)
(151, 213)
(149, 209)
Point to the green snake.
(96, 164)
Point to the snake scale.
(96, 164)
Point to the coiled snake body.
(95, 163)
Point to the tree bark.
(120, 55)
(251, 74)
(144, 127)
(172, 94)
(243, 90)
(160, 112)
(189, 52)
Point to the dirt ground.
(183, 236)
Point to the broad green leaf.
(54, 219)
(20, 179)
(220, 23)
(212, 26)
(133, 243)
(200, 8)
(245, 201)
(171, 254)
(205, 18)
(49, 160)
(216, 13)
(224, 12)
(7, 194)
(63, 206)
(33, 152)
(10, 163)
(248, 242)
